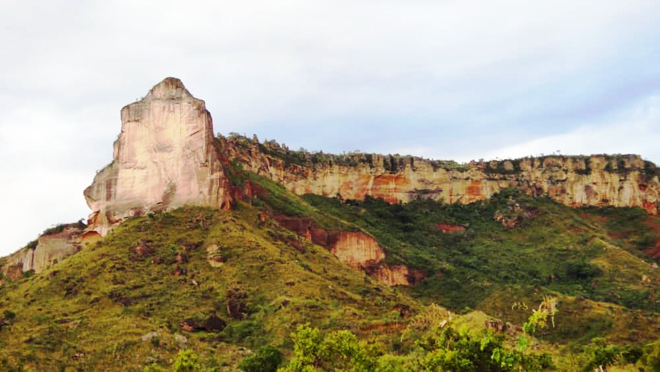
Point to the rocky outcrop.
(362, 252)
(165, 157)
(357, 249)
(396, 275)
(598, 180)
(50, 249)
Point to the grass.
(91, 310)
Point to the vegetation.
(60, 227)
(266, 359)
(204, 289)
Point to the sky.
(441, 79)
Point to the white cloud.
(636, 131)
(447, 79)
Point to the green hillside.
(232, 285)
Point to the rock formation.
(50, 249)
(165, 157)
(362, 252)
(357, 249)
(598, 180)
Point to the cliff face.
(362, 252)
(165, 157)
(49, 250)
(598, 180)
(357, 249)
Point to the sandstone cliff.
(598, 180)
(50, 249)
(165, 157)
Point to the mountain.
(225, 247)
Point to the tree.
(336, 351)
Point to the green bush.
(651, 357)
(335, 351)
(186, 361)
(603, 356)
(266, 359)
(27, 274)
(8, 315)
(154, 368)
(249, 332)
(582, 270)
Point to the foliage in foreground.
(440, 345)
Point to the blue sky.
(455, 80)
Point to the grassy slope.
(90, 310)
(562, 251)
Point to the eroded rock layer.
(49, 250)
(165, 157)
(357, 249)
(598, 180)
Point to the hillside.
(171, 272)
(226, 253)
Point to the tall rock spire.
(165, 157)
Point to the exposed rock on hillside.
(362, 252)
(50, 249)
(357, 249)
(165, 157)
(598, 180)
(395, 275)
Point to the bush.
(603, 356)
(335, 351)
(267, 359)
(186, 361)
(582, 270)
(154, 368)
(27, 274)
(8, 315)
(651, 357)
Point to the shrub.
(27, 274)
(267, 359)
(651, 357)
(580, 269)
(154, 368)
(186, 361)
(335, 351)
(603, 356)
(8, 315)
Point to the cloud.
(446, 78)
(636, 131)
